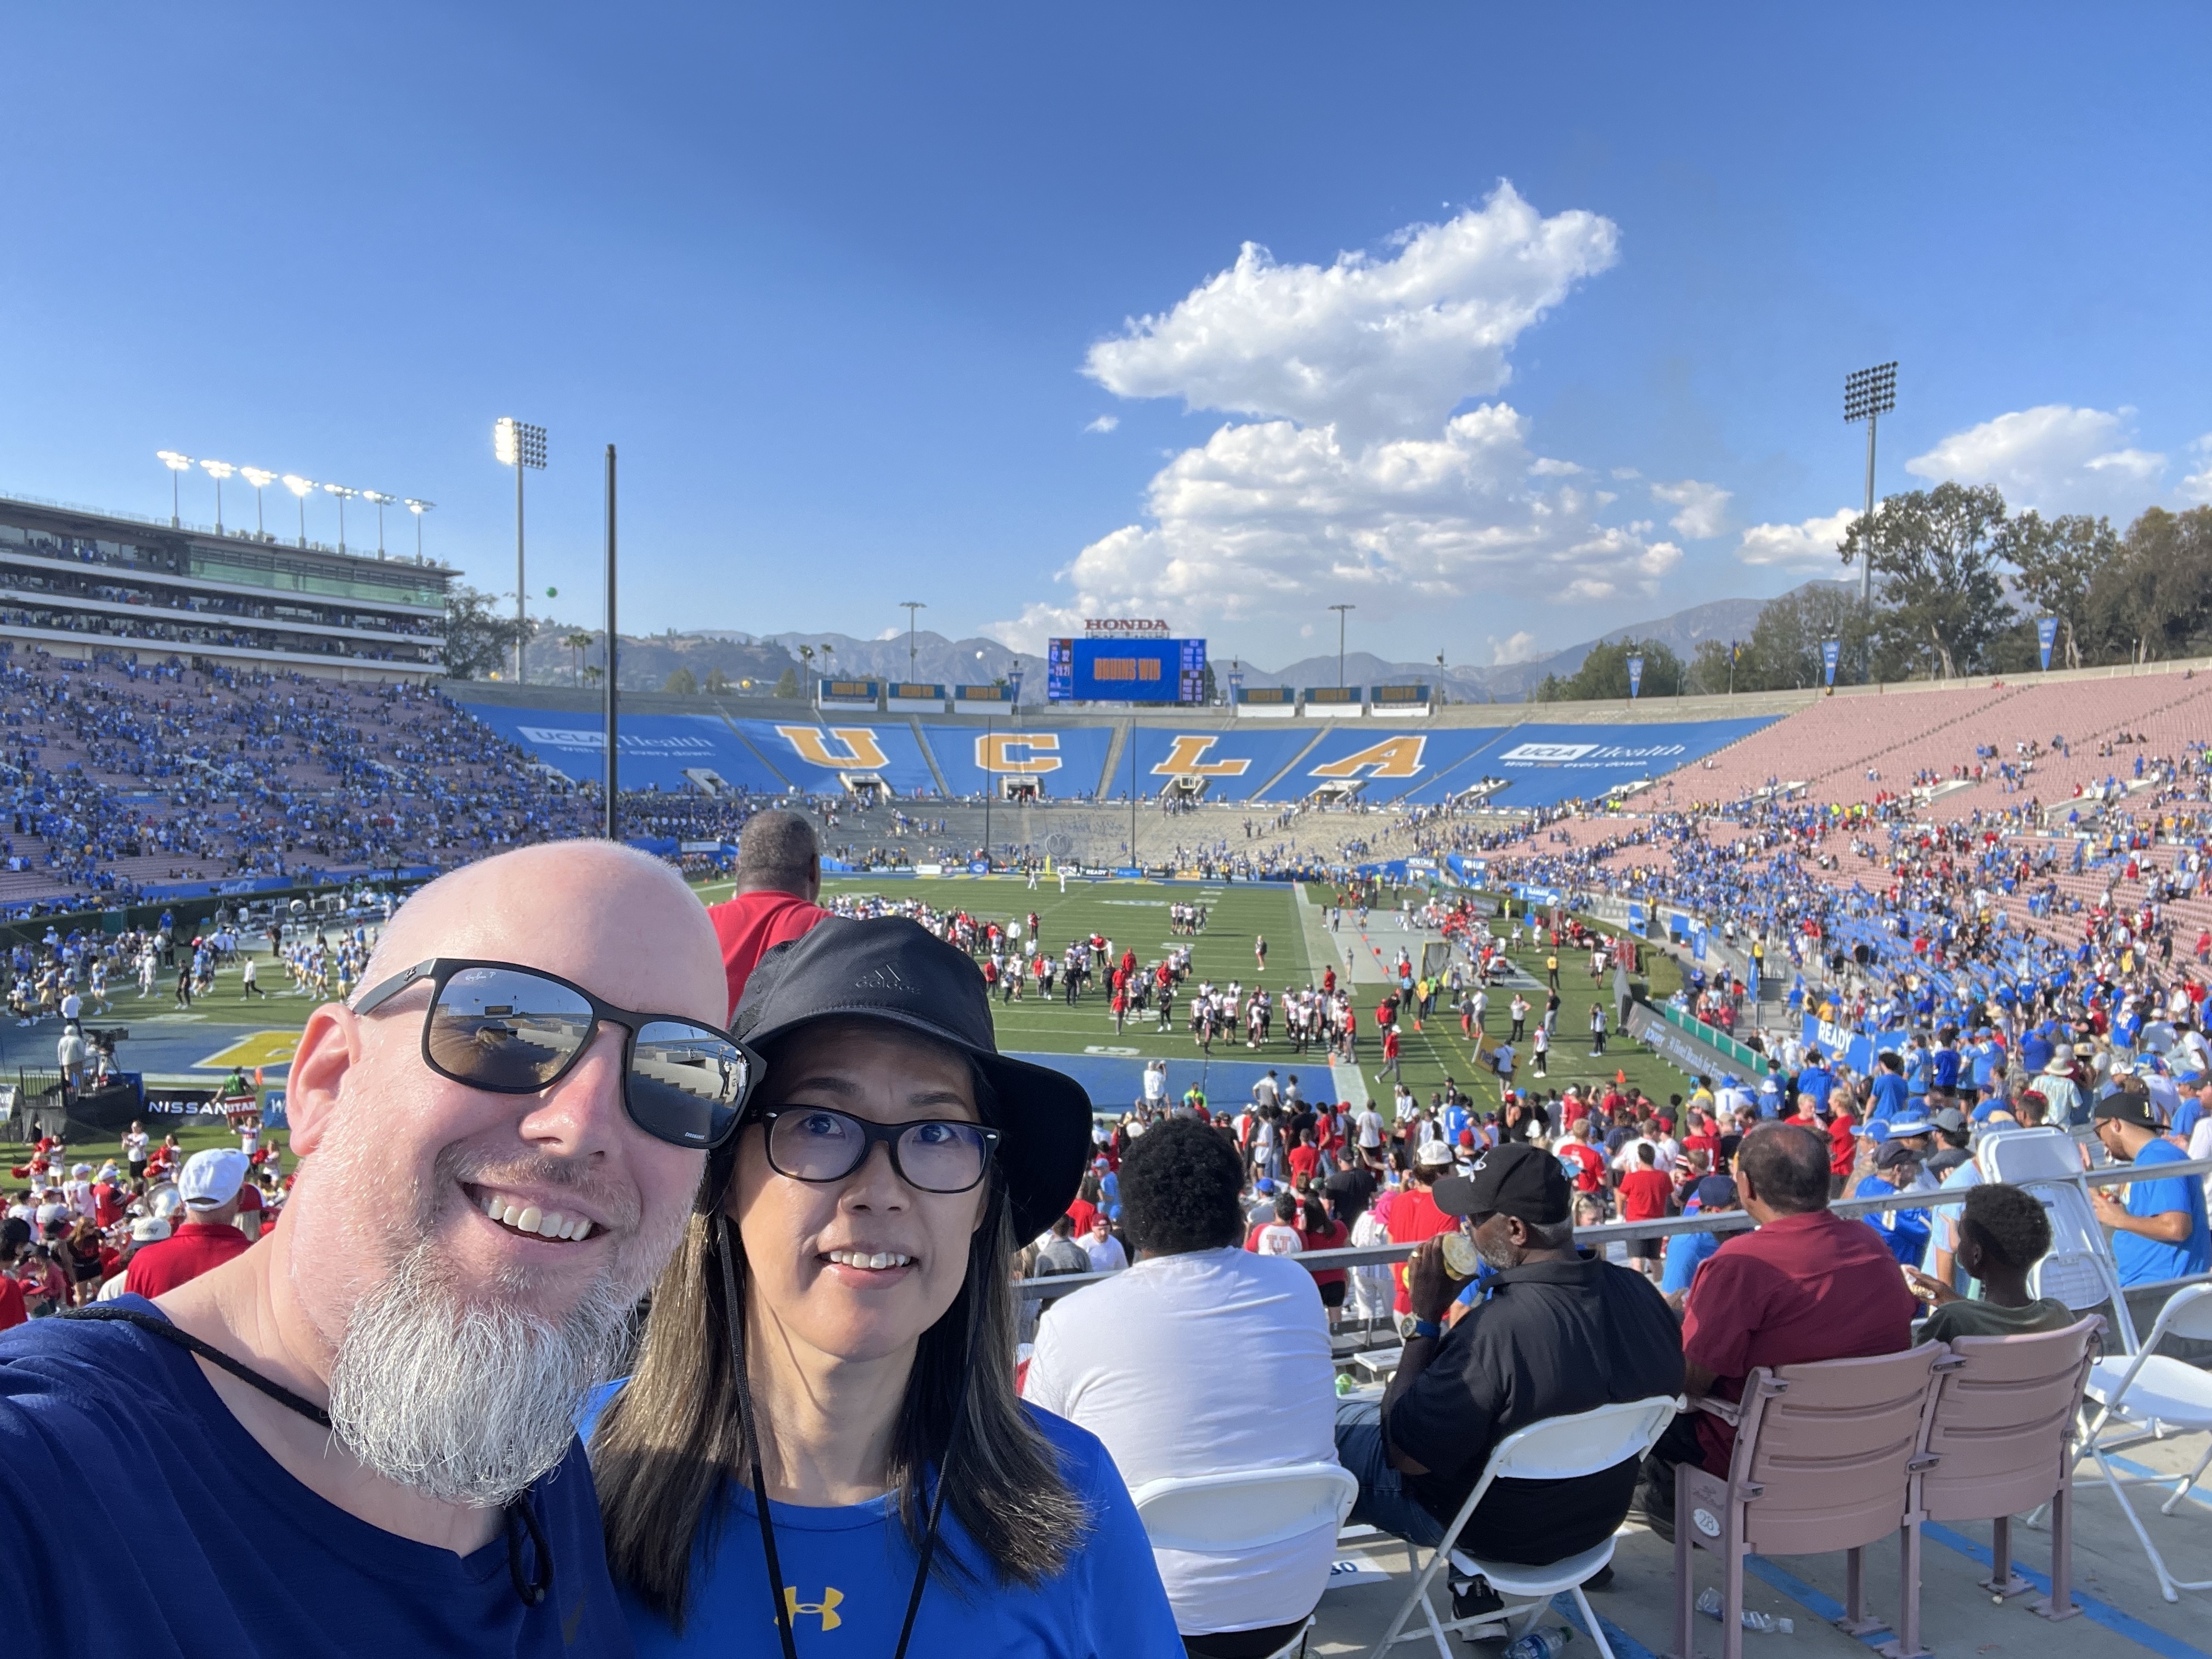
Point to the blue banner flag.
(1635, 676)
(1831, 650)
(2047, 635)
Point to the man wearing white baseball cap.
(209, 1235)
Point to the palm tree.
(579, 642)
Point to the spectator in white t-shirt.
(1105, 1251)
(1158, 1363)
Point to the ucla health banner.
(819, 758)
(655, 749)
(1543, 765)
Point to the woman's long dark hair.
(668, 1447)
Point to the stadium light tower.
(418, 508)
(178, 464)
(1340, 610)
(218, 471)
(344, 495)
(382, 501)
(910, 606)
(1869, 394)
(260, 479)
(301, 489)
(521, 445)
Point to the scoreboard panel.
(1125, 670)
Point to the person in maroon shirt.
(1806, 1285)
(779, 878)
(209, 1183)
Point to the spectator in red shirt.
(1645, 1195)
(1587, 1163)
(779, 878)
(1304, 1159)
(1806, 1285)
(1415, 1218)
(209, 1184)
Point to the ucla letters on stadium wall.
(1066, 761)
(1236, 765)
(817, 755)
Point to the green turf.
(1128, 913)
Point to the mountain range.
(647, 660)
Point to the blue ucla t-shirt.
(143, 1519)
(848, 1573)
(2147, 1260)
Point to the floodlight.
(1869, 392)
(260, 478)
(218, 471)
(302, 488)
(521, 445)
(418, 508)
(177, 463)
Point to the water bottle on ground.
(1709, 1603)
(1540, 1644)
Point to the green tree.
(1604, 674)
(1784, 652)
(683, 683)
(2154, 600)
(788, 685)
(717, 683)
(1937, 556)
(478, 638)
(2057, 560)
(578, 642)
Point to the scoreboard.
(1125, 670)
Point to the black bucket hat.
(891, 968)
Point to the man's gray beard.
(468, 1400)
(1498, 1257)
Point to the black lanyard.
(521, 1519)
(749, 1425)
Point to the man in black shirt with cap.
(1558, 1331)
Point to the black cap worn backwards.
(1515, 1180)
(890, 969)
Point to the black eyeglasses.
(514, 1030)
(930, 1154)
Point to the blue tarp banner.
(1546, 764)
(655, 748)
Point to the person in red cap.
(779, 879)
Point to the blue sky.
(832, 277)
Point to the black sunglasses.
(930, 1154)
(514, 1030)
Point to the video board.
(1125, 670)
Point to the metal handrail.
(1372, 1255)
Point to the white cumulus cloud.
(1355, 480)
(1703, 508)
(2197, 486)
(1104, 424)
(1809, 546)
(1374, 345)
(1514, 648)
(1265, 518)
(2054, 457)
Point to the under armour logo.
(883, 978)
(826, 1607)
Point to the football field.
(227, 1029)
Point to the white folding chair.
(1242, 1510)
(2079, 1269)
(2148, 1396)
(1557, 1449)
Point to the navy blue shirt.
(143, 1520)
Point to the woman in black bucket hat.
(823, 1416)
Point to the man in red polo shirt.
(209, 1184)
(1806, 1285)
(779, 878)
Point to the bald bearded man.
(357, 1435)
